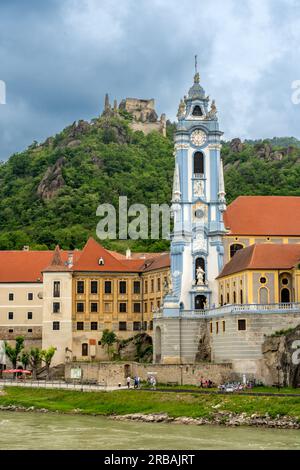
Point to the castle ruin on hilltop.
(144, 116)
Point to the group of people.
(136, 382)
(206, 383)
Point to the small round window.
(285, 281)
(263, 280)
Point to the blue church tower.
(198, 202)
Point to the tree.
(35, 358)
(14, 352)
(24, 358)
(46, 356)
(108, 339)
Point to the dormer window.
(101, 261)
(197, 111)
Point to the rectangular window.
(10, 331)
(137, 307)
(158, 284)
(107, 307)
(30, 296)
(223, 325)
(146, 287)
(29, 315)
(10, 315)
(55, 325)
(122, 287)
(94, 307)
(107, 287)
(217, 327)
(152, 285)
(94, 287)
(80, 307)
(151, 325)
(122, 325)
(158, 304)
(56, 289)
(136, 287)
(211, 327)
(241, 325)
(136, 326)
(94, 325)
(80, 287)
(151, 307)
(122, 307)
(144, 325)
(80, 326)
(10, 296)
(29, 330)
(56, 307)
(145, 307)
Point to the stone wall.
(112, 374)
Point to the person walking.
(128, 380)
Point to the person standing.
(128, 380)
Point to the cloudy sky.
(59, 57)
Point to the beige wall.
(20, 306)
(61, 338)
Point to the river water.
(21, 430)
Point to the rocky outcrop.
(281, 357)
(236, 145)
(52, 181)
(138, 348)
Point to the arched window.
(200, 302)
(200, 263)
(263, 296)
(234, 297)
(234, 248)
(241, 296)
(198, 163)
(197, 111)
(285, 296)
(228, 299)
(84, 349)
(222, 301)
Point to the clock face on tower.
(198, 137)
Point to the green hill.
(49, 193)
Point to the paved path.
(104, 388)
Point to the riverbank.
(181, 408)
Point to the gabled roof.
(113, 262)
(264, 215)
(263, 256)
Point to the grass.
(131, 401)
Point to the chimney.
(128, 253)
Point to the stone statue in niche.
(181, 109)
(199, 188)
(168, 285)
(200, 273)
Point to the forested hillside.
(49, 193)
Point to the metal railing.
(58, 384)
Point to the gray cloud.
(58, 58)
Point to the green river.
(53, 431)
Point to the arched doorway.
(285, 295)
(84, 349)
(200, 302)
(157, 345)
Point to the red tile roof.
(263, 256)
(264, 215)
(28, 266)
(113, 262)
